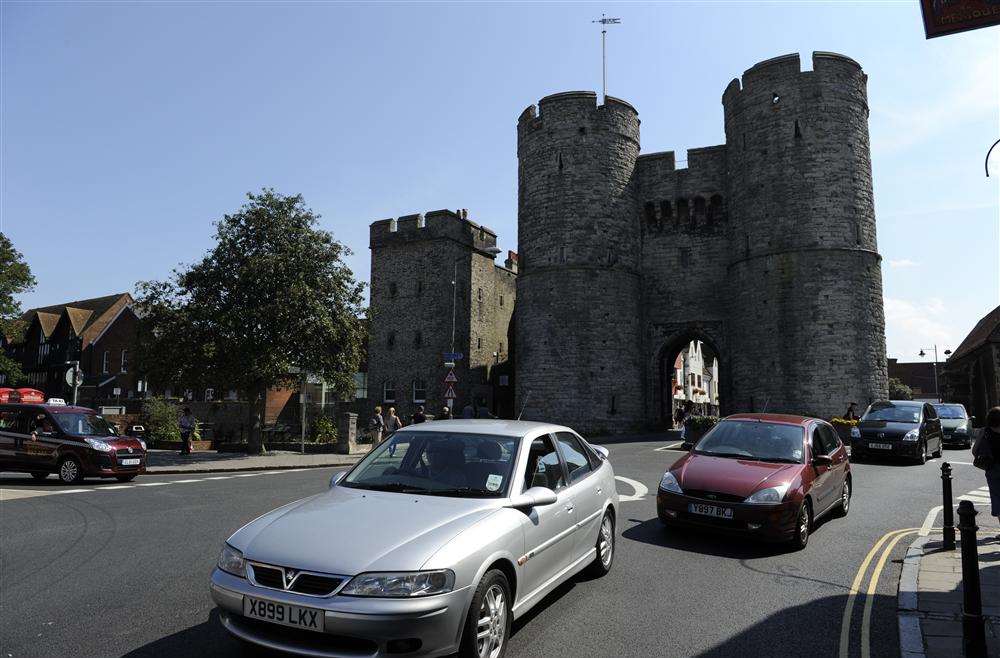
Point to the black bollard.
(973, 628)
(948, 507)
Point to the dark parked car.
(73, 442)
(956, 424)
(898, 428)
(767, 476)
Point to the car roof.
(901, 403)
(785, 419)
(496, 427)
(52, 408)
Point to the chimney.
(511, 262)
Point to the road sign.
(70, 377)
(450, 393)
(453, 356)
(450, 378)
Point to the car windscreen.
(756, 440)
(438, 463)
(892, 413)
(951, 411)
(84, 424)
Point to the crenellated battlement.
(763, 76)
(432, 225)
(579, 110)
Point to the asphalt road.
(124, 571)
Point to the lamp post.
(937, 391)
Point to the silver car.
(431, 545)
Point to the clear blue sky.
(129, 128)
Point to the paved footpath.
(169, 461)
(931, 593)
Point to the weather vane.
(605, 22)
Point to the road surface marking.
(925, 529)
(113, 487)
(640, 489)
(845, 622)
(866, 616)
(670, 446)
(153, 484)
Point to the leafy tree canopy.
(272, 297)
(898, 390)
(15, 278)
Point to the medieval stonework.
(763, 247)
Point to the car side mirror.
(602, 451)
(822, 460)
(337, 477)
(533, 497)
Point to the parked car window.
(893, 413)
(84, 424)
(951, 411)
(544, 468)
(828, 438)
(575, 455)
(741, 439)
(438, 463)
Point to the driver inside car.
(446, 462)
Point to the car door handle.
(599, 490)
(570, 508)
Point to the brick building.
(774, 232)
(972, 372)
(100, 333)
(919, 376)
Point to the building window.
(392, 289)
(479, 343)
(501, 301)
(504, 380)
(420, 288)
(419, 391)
(389, 391)
(418, 339)
(390, 340)
(479, 294)
(105, 361)
(393, 226)
(360, 385)
(232, 395)
(209, 394)
(124, 367)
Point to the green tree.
(898, 390)
(15, 278)
(272, 297)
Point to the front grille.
(103, 461)
(304, 640)
(316, 585)
(713, 496)
(268, 576)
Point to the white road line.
(671, 446)
(925, 529)
(640, 489)
(113, 487)
(246, 475)
(219, 477)
(186, 481)
(153, 484)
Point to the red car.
(74, 442)
(768, 476)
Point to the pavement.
(931, 593)
(107, 569)
(171, 462)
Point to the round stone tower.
(577, 317)
(807, 325)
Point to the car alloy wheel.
(845, 498)
(492, 627)
(69, 471)
(922, 459)
(606, 543)
(801, 538)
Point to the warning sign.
(450, 378)
(450, 393)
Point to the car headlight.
(912, 435)
(855, 433)
(142, 443)
(97, 444)
(401, 584)
(769, 496)
(669, 483)
(231, 561)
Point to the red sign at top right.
(943, 17)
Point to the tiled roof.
(48, 321)
(85, 315)
(78, 318)
(979, 335)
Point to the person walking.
(187, 424)
(680, 420)
(376, 426)
(419, 416)
(852, 413)
(392, 424)
(986, 455)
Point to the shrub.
(324, 430)
(702, 423)
(898, 390)
(160, 418)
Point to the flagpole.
(605, 22)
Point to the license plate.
(710, 510)
(281, 613)
(131, 462)
(881, 446)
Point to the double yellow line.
(887, 542)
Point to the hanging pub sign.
(943, 17)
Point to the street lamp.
(937, 391)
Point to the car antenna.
(524, 404)
(768, 400)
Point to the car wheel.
(922, 457)
(125, 478)
(70, 471)
(39, 476)
(487, 626)
(803, 525)
(845, 499)
(605, 547)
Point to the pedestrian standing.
(681, 418)
(986, 453)
(393, 422)
(852, 413)
(468, 411)
(376, 426)
(445, 414)
(419, 416)
(187, 424)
